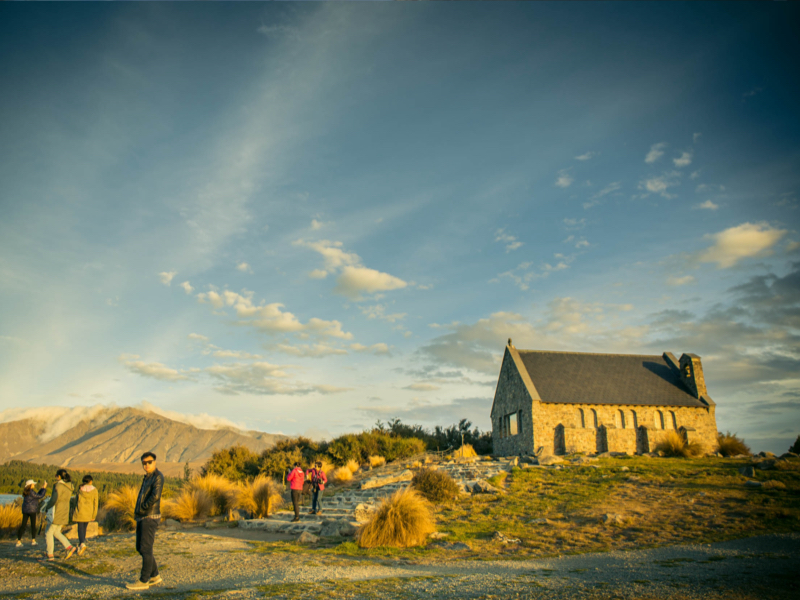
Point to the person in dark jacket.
(148, 515)
(30, 508)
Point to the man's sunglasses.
(147, 462)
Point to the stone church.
(563, 402)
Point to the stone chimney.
(692, 375)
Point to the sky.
(307, 218)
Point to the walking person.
(318, 481)
(296, 478)
(148, 515)
(85, 510)
(30, 508)
(59, 503)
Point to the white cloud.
(263, 378)
(564, 179)
(318, 274)
(747, 240)
(656, 152)
(201, 421)
(696, 136)
(574, 224)
(330, 389)
(378, 349)
(586, 156)
(332, 253)
(422, 387)
(378, 311)
(241, 354)
(707, 205)
(680, 280)
(198, 337)
(523, 275)
(166, 277)
(684, 160)
(311, 350)
(317, 225)
(582, 243)
(660, 185)
(357, 280)
(187, 287)
(509, 240)
(154, 369)
(244, 267)
(694, 175)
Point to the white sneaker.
(19, 543)
(33, 542)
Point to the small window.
(673, 422)
(594, 419)
(634, 420)
(621, 419)
(581, 418)
(513, 425)
(659, 420)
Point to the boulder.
(307, 538)
(514, 461)
(752, 483)
(363, 512)
(748, 471)
(766, 454)
(766, 465)
(550, 459)
(604, 455)
(329, 528)
(347, 529)
(450, 545)
(774, 484)
(377, 482)
(583, 460)
(505, 539)
(172, 524)
(484, 487)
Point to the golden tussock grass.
(376, 461)
(730, 444)
(260, 497)
(353, 465)
(10, 517)
(673, 444)
(401, 521)
(192, 504)
(122, 502)
(342, 474)
(466, 451)
(223, 492)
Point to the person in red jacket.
(296, 478)
(318, 480)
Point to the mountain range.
(113, 439)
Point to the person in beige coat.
(59, 502)
(85, 510)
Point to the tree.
(796, 446)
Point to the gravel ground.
(198, 565)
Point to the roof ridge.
(586, 353)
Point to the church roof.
(583, 378)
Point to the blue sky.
(304, 218)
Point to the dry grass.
(416, 465)
(376, 461)
(674, 445)
(466, 451)
(435, 486)
(353, 465)
(260, 497)
(730, 444)
(10, 518)
(222, 491)
(400, 521)
(120, 504)
(342, 474)
(772, 484)
(192, 504)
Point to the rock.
(583, 460)
(550, 459)
(438, 535)
(172, 524)
(604, 455)
(766, 465)
(329, 529)
(514, 461)
(450, 545)
(307, 538)
(529, 460)
(786, 455)
(766, 454)
(612, 519)
(773, 484)
(505, 539)
(624, 469)
(377, 482)
(484, 487)
(748, 471)
(347, 529)
(363, 512)
(752, 483)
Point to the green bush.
(796, 446)
(435, 486)
(234, 463)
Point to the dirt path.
(196, 565)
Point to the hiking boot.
(33, 542)
(137, 585)
(81, 549)
(70, 552)
(295, 520)
(312, 512)
(155, 580)
(19, 543)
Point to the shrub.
(192, 504)
(435, 486)
(222, 491)
(10, 518)
(466, 451)
(673, 444)
(376, 461)
(120, 505)
(260, 497)
(400, 521)
(342, 474)
(795, 448)
(234, 463)
(730, 444)
(353, 465)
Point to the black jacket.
(149, 501)
(30, 503)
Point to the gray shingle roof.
(577, 377)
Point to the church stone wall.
(512, 397)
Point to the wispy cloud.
(707, 205)
(684, 160)
(677, 281)
(244, 267)
(166, 277)
(378, 311)
(586, 156)
(155, 370)
(660, 185)
(187, 287)
(751, 93)
(696, 136)
(378, 349)
(747, 240)
(564, 179)
(656, 152)
(509, 240)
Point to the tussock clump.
(260, 497)
(730, 444)
(192, 504)
(10, 518)
(353, 465)
(120, 505)
(673, 444)
(342, 474)
(435, 486)
(376, 461)
(773, 484)
(400, 521)
(466, 451)
(222, 491)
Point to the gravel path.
(195, 565)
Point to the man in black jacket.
(148, 515)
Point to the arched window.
(659, 420)
(594, 419)
(519, 421)
(581, 418)
(673, 421)
(634, 419)
(621, 419)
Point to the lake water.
(8, 498)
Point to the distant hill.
(113, 439)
